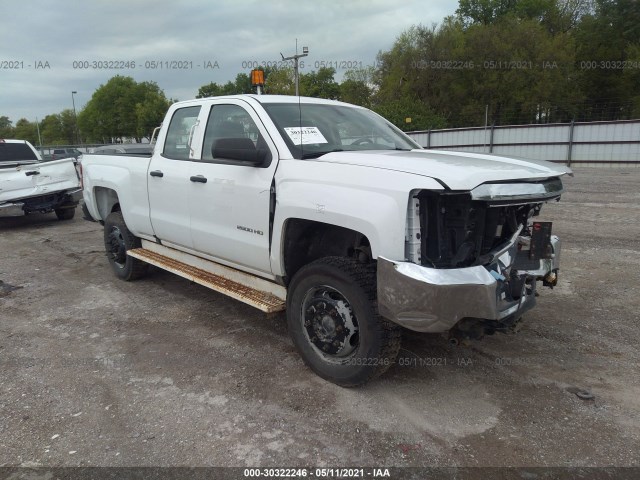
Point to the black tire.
(333, 319)
(65, 213)
(85, 213)
(117, 240)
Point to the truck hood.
(457, 170)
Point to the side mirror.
(240, 150)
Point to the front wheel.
(333, 320)
(117, 240)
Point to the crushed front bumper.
(434, 300)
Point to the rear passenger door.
(168, 179)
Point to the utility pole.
(486, 120)
(75, 117)
(39, 137)
(305, 52)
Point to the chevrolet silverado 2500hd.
(27, 184)
(329, 211)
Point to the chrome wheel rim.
(116, 248)
(329, 323)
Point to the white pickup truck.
(27, 184)
(327, 210)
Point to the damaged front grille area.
(472, 259)
(457, 231)
(465, 229)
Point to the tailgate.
(24, 181)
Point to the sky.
(50, 48)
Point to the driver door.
(230, 204)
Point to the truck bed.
(125, 172)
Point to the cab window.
(176, 145)
(229, 122)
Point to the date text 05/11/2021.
(316, 472)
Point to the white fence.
(580, 144)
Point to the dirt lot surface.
(99, 372)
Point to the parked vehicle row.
(131, 149)
(128, 148)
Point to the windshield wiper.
(319, 154)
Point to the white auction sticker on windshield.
(305, 135)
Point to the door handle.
(32, 172)
(156, 173)
(198, 179)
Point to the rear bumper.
(74, 197)
(44, 203)
(11, 209)
(434, 300)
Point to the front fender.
(370, 201)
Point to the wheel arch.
(106, 201)
(305, 241)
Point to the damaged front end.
(472, 259)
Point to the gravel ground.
(162, 372)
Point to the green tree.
(398, 67)
(212, 89)
(517, 67)
(242, 84)
(52, 130)
(68, 126)
(484, 11)
(123, 108)
(410, 114)
(358, 86)
(556, 15)
(364, 74)
(6, 127)
(631, 77)
(356, 92)
(110, 114)
(280, 81)
(150, 109)
(319, 84)
(406, 84)
(605, 39)
(26, 130)
(536, 84)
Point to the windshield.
(311, 130)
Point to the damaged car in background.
(28, 184)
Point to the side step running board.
(269, 300)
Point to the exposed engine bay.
(492, 227)
(459, 232)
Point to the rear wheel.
(65, 213)
(333, 320)
(117, 241)
(85, 213)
